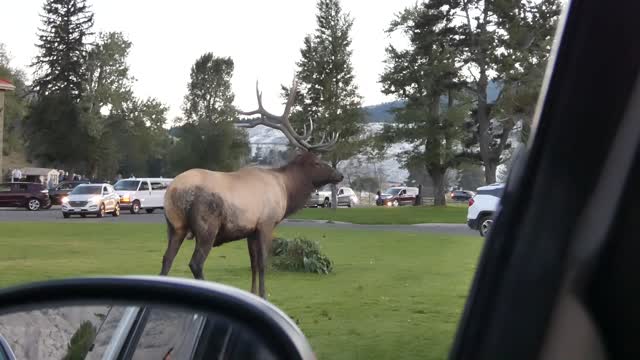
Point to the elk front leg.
(252, 244)
(264, 246)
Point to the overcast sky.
(262, 36)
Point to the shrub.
(81, 342)
(299, 254)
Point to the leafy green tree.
(62, 42)
(106, 89)
(15, 104)
(208, 138)
(328, 94)
(425, 75)
(505, 41)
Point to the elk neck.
(298, 187)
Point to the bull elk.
(218, 207)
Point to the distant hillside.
(381, 113)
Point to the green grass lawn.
(388, 215)
(391, 296)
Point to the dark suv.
(20, 194)
(63, 189)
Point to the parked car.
(483, 206)
(91, 199)
(142, 193)
(32, 196)
(322, 197)
(461, 195)
(397, 196)
(62, 190)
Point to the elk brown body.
(219, 207)
(216, 207)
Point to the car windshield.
(87, 190)
(127, 185)
(393, 191)
(379, 98)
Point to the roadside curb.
(348, 223)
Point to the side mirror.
(144, 318)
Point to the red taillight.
(471, 201)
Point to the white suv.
(482, 207)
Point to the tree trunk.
(490, 167)
(334, 189)
(334, 196)
(437, 176)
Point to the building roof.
(6, 85)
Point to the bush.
(299, 254)
(81, 342)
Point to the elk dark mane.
(297, 184)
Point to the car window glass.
(341, 192)
(168, 332)
(5, 188)
(144, 185)
(23, 187)
(157, 186)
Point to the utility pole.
(4, 87)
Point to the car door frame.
(157, 195)
(525, 262)
(143, 195)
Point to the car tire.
(149, 211)
(135, 207)
(33, 204)
(326, 203)
(102, 211)
(65, 215)
(485, 225)
(116, 211)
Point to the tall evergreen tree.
(328, 94)
(62, 42)
(54, 127)
(208, 138)
(425, 75)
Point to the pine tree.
(328, 94)
(425, 75)
(62, 41)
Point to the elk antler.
(282, 123)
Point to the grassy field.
(391, 296)
(388, 215)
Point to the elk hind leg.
(205, 235)
(175, 237)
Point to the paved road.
(54, 215)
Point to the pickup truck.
(322, 197)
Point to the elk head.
(319, 172)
